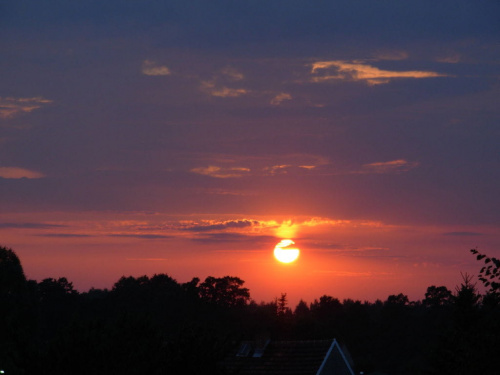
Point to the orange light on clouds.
(357, 259)
(287, 229)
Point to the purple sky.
(192, 135)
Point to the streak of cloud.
(280, 98)
(29, 226)
(64, 235)
(278, 169)
(393, 166)
(230, 224)
(221, 92)
(356, 274)
(11, 107)
(18, 173)
(221, 172)
(232, 74)
(219, 85)
(392, 55)
(235, 237)
(360, 71)
(152, 68)
(142, 236)
(147, 259)
(464, 234)
(451, 58)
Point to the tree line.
(156, 325)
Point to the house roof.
(289, 358)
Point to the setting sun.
(284, 253)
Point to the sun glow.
(287, 229)
(284, 253)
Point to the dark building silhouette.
(314, 357)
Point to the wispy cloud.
(11, 107)
(220, 191)
(234, 237)
(348, 250)
(323, 71)
(226, 165)
(356, 274)
(64, 235)
(147, 259)
(222, 92)
(17, 173)
(29, 226)
(232, 74)
(288, 168)
(465, 234)
(280, 98)
(317, 221)
(221, 172)
(277, 169)
(393, 166)
(451, 58)
(142, 236)
(220, 84)
(152, 68)
(228, 224)
(392, 55)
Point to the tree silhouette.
(281, 304)
(489, 275)
(397, 300)
(17, 313)
(326, 306)
(12, 279)
(155, 325)
(225, 291)
(438, 296)
(466, 296)
(302, 310)
(52, 289)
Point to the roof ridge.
(306, 340)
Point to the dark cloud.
(29, 226)
(346, 249)
(139, 236)
(235, 237)
(234, 224)
(65, 235)
(142, 236)
(466, 234)
(326, 246)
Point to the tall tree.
(12, 279)
(17, 313)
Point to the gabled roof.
(317, 357)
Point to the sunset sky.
(191, 137)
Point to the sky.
(191, 137)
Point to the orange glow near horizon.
(284, 253)
(357, 259)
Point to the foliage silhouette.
(438, 296)
(156, 325)
(225, 291)
(12, 279)
(489, 275)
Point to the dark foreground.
(155, 325)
